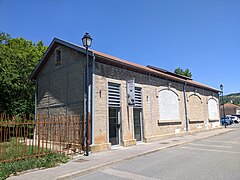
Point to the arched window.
(212, 109)
(195, 108)
(168, 105)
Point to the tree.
(180, 71)
(233, 98)
(18, 58)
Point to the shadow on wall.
(60, 87)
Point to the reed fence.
(24, 137)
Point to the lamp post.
(87, 41)
(224, 115)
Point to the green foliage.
(18, 58)
(233, 98)
(47, 161)
(16, 149)
(180, 71)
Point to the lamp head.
(87, 40)
(221, 87)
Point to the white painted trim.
(195, 94)
(93, 101)
(169, 89)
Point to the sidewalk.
(83, 164)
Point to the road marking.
(211, 150)
(232, 142)
(127, 175)
(207, 145)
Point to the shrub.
(47, 161)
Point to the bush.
(47, 161)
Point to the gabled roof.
(230, 105)
(108, 59)
(49, 49)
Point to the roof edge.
(54, 41)
(114, 60)
(153, 71)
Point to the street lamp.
(87, 41)
(224, 115)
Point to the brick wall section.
(60, 88)
(197, 106)
(101, 110)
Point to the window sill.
(196, 122)
(213, 120)
(169, 123)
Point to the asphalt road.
(217, 158)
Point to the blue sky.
(202, 35)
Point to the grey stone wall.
(153, 127)
(61, 92)
(61, 88)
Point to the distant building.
(162, 103)
(230, 109)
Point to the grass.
(50, 160)
(14, 149)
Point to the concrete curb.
(89, 170)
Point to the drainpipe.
(35, 112)
(185, 106)
(219, 107)
(93, 97)
(150, 99)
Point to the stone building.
(164, 103)
(230, 109)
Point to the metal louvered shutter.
(138, 97)
(114, 98)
